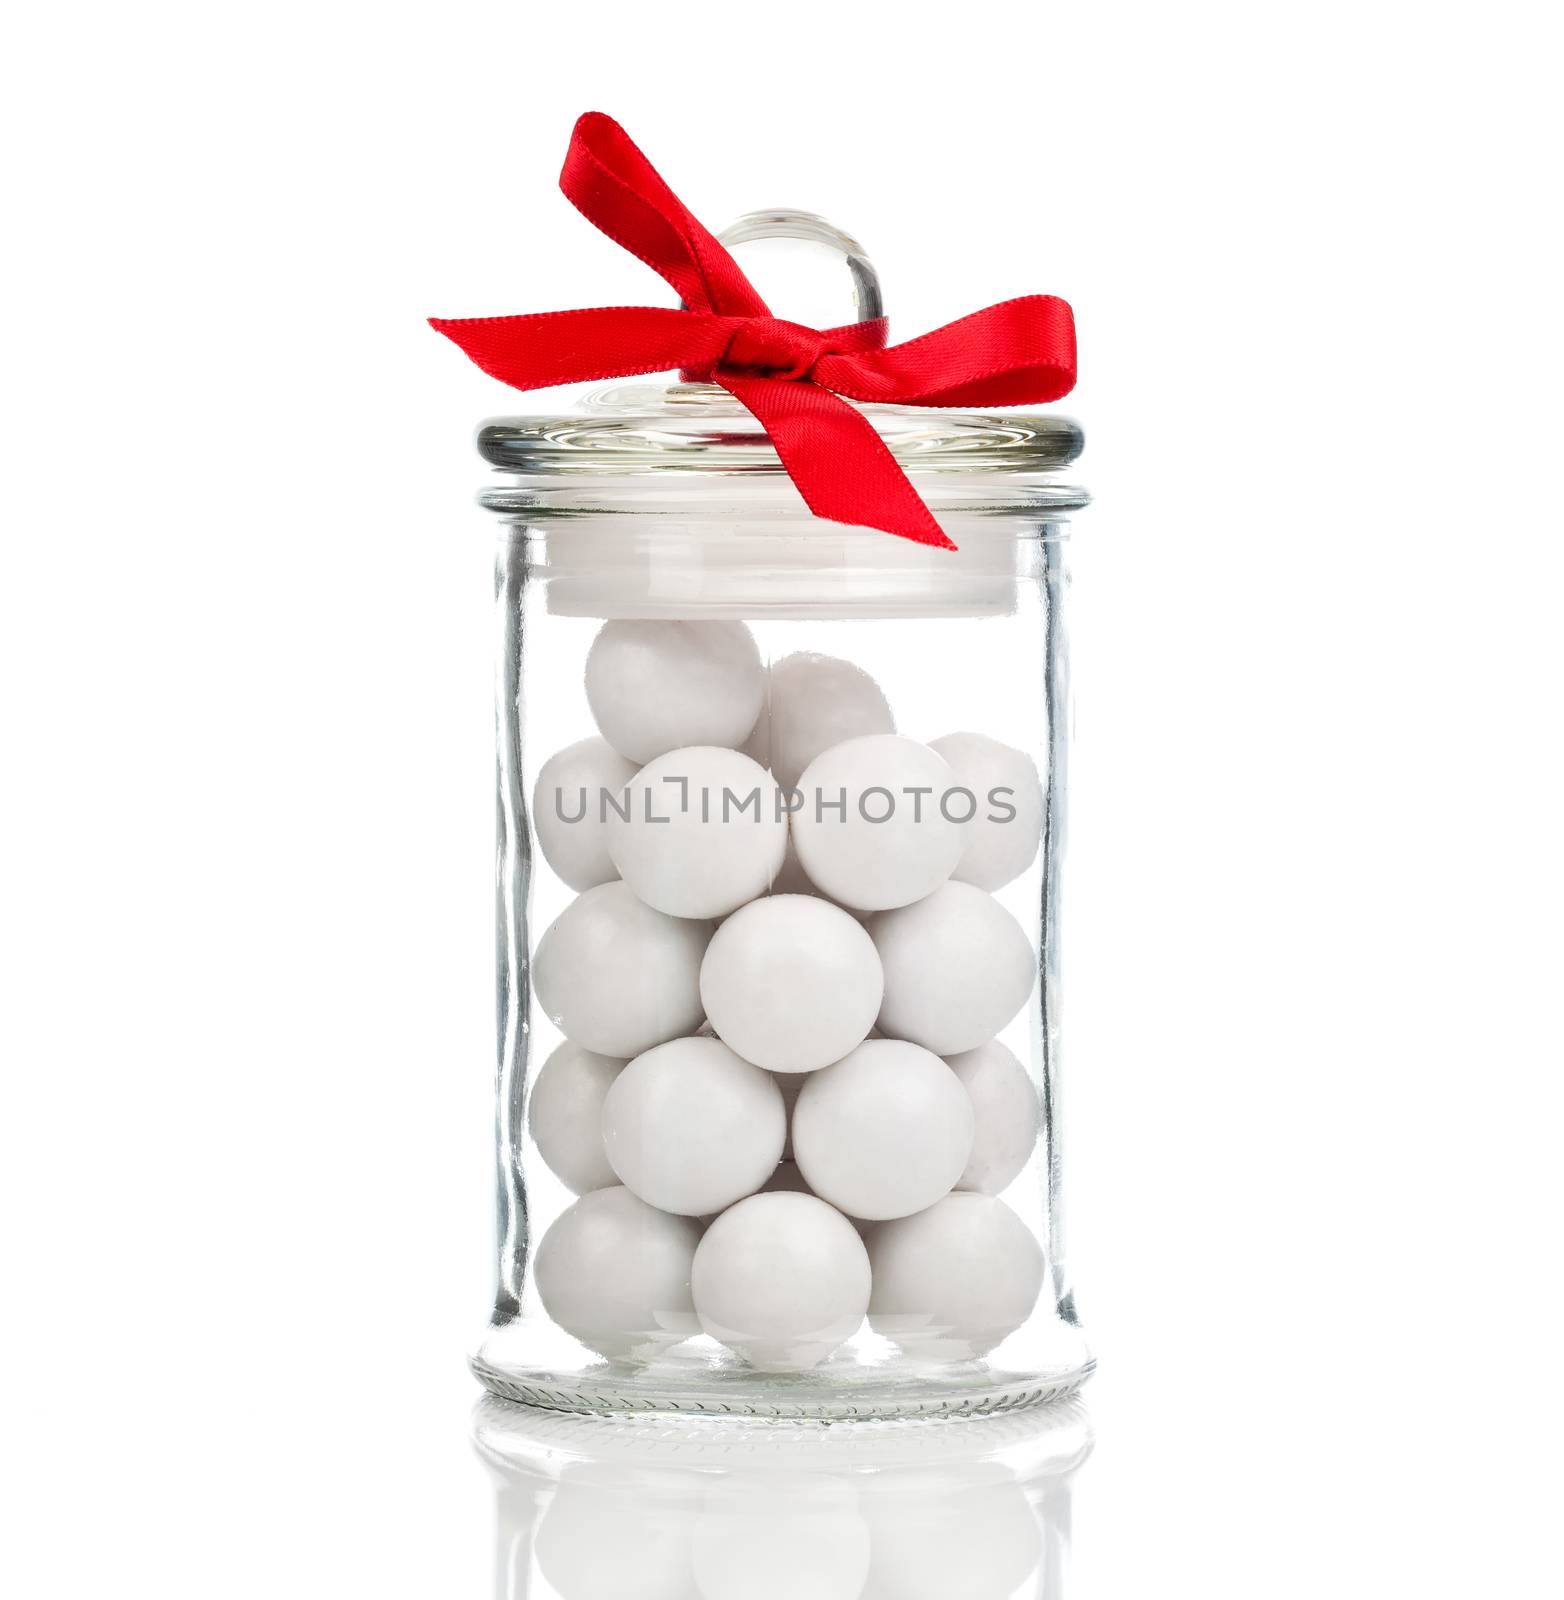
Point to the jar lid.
(1009, 462)
(699, 427)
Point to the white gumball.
(872, 829)
(812, 703)
(569, 810)
(659, 686)
(1005, 1102)
(565, 1116)
(884, 1132)
(791, 983)
(1004, 831)
(954, 1280)
(614, 1272)
(691, 1128)
(705, 832)
(957, 969)
(782, 1279)
(618, 977)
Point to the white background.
(1313, 952)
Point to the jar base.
(858, 1384)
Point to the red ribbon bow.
(1016, 353)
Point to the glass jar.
(781, 811)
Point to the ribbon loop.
(790, 376)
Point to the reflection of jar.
(781, 817)
(666, 1509)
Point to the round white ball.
(565, 1115)
(1003, 835)
(568, 810)
(957, 969)
(657, 686)
(618, 977)
(812, 703)
(791, 983)
(782, 1279)
(871, 831)
(884, 1132)
(953, 1281)
(614, 1272)
(691, 1128)
(705, 832)
(1007, 1112)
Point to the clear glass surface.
(971, 643)
(959, 1510)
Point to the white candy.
(791, 983)
(705, 832)
(812, 703)
(565, 1115)
(658, 686)
(1002, 837)
(615, 1273)
(957, 969)
(568, 810)
(953, 1281)
(871, 831)
(884, 1132)
(617, 977)
(690, 1128)
(1005, 1100)
(782, 1279)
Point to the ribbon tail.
(553, 347)
(843, 468)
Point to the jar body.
(781, 827)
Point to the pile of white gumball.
(780, 1097)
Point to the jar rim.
(696, 500)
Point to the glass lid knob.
(806, 269)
